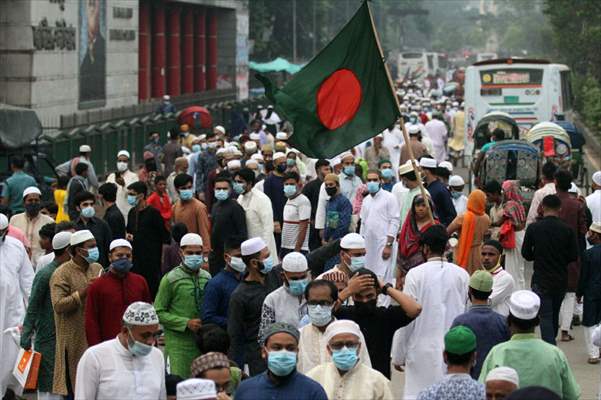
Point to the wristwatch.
(388, 244)
(385, 288)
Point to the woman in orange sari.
(472, 226)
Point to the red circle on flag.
(338, 98)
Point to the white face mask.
(121, 166)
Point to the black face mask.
(281, 168)
(331, 191)
(269, 165)
(33, 209)
(367, 308)
(151, 165)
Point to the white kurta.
(503, 286)
(538, 197)
(593, 202)
(437, 132)
(109, 371)
(379, 219)
(259, 218)
(31, 229)
(122, 204)
(440, 288)
(460, 204)
(393, 139)
(312, 349)
(16, 277)
(360, 383)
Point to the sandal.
(566, 337)
(593, 360)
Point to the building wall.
(42, 72)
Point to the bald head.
(181, 164)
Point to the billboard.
(92, 53)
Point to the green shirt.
(537, 363)
(14, 188)
(180, 299)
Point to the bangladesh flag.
(342, 97)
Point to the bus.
(530, 91)
(420, 64)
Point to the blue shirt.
(273, 187)
(490, 329)
(454, 387)
(338, 217)
(14, 188)
(217, 298)
(443, 202)
(294, 387)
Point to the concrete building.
(71, 57)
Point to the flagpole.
(404, 130)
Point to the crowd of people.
(236, 267)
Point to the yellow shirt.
(59, 199)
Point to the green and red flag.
(342, 97)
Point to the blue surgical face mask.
(387, 173)
(319, 315)
(222, 194)
(373, 187)
(289, 190)
(238, 188)
(281, 363)
(237, 264)
(345, 358)
(122, 265)
(196, 148)
(186, 194)
(455, 194)
(88, 212)
(267, 265)
(290, 162)
(193, 261)
(137, 349)
(357, 263)
(349, 170)
(132, 200)
(297, 287)
(93, 255)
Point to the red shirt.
(107, 299)
(161, 203)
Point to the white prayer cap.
(84, 148)
(352, 241)
(427, 162)
(335, 161)
(524, 304)
(250, 162)
(281, 136)
(295, 262)
(456, 180)
(255, 136)
(202, 137)
(3, 221)
(31, 190)
(119, 243)
(220, 129)
(595, 227)
(124, 153)
(250, 145)
(406, 168)
(574, 189)
(190, 239)
(220, 151)
(196, 389)
(60, 240)
(413, 129)
(234, 164)
(279, 154)
(257, 157)
(236, 152)
(447, 165)
(140, 314)
(342, 326)
(597, 178)
(504, 374)
(252, 246)
(166, 97)
(81, 236)
(346, 154)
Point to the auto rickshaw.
(553, 143)
(511, 160)
(577, 139)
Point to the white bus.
(420, 64)
(530, 91)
